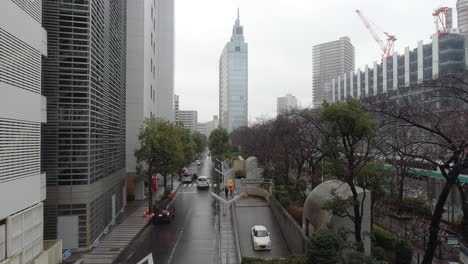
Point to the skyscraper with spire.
(233, 80)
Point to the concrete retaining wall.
(292, 232)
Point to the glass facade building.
(233, 81)
(445, 55)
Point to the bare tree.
(436, 118)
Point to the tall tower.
(330, 60)
(462, 16)
(233, 80)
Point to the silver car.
(202, 182)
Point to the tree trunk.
(435, 222)
(150, 190)
(464, 202)
(357, 217)
(165, 182)
(401, 185)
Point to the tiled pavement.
(228, 242)
(128, 226)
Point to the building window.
(237, 48)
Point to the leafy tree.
(219, 144)
(324, 247)
(188, 145)
(200, 141)
(159, 149)
(349, 135)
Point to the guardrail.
(236, 235)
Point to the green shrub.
(383, 238)
(324, 247)
(378, 253)
(289, 260)
(284, 201)
(403, 252)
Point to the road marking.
(148, 259)
(185, 185)
(180, 235)
(214, 185)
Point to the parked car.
(202, 182)
(198, 162)
(163, 213)
(261, 238)
(187, 178)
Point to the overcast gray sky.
(280, 34)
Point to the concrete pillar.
(435, 56)
(358, 85)
(339, 88)
(366, 81)
(351, 85)
(345, 93)
(420, 62)
(395, 71)
(384, 75)
(333, 90)
(407, 80)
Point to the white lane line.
(190, 185)
(185, 185)
(148, 258)
(180, 235)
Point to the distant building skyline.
(286, 103)
(233, 80)
(189, 119)
(430, 61)
(330, 60)
(208, 127)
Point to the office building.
(286, 103)
(83, 142)
(462, 16)
(329, 60)
(23, 44)
(189, 119)
(165, 54)
(402, 74)
(150, 68)
(176, 108)
(233, 80)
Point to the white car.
(261, 238)
(198, 162)
(202, 182)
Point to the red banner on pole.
(154, 184)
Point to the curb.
(138, 233)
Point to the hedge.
(289, 260)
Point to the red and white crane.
(387, 48)
(442, 20)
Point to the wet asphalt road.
(192, 237)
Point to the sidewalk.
(128, 225)
(228, 241)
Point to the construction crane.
(386, 48)
(442, 20)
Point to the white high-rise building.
(150, 68)
(165, 54)
(233, 80)
(189, 119)
(286, 103)
(462, 16)
(23, 42)
(329, 60)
